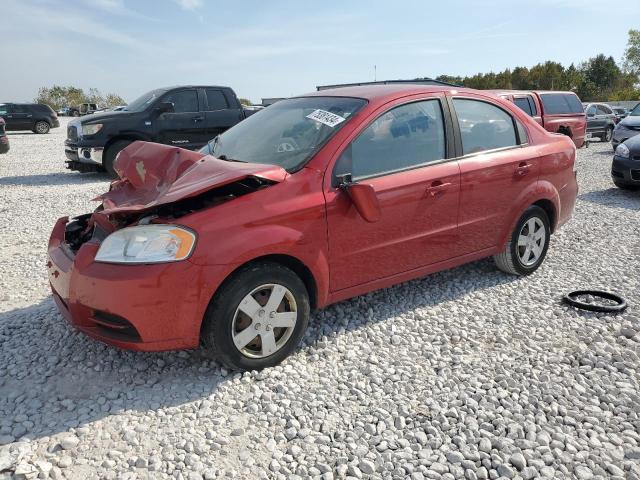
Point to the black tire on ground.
(606, 136)
(41, 127)
(76, 113)
(625, 186)
(109, 156)
(510, 260)
(217, 330)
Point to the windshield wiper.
(227, 159)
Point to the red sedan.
(308, 202)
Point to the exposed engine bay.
(159, 184)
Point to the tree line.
(599, 78)
(57, 97)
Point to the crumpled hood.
(633, 121)
(152, 174)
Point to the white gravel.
(468, 373)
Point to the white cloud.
(190, 4)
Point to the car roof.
(384, 92)
(509, 92)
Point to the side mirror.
(363, 196)
(165, 107)
(590, 115)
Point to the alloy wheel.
(531, 241)
(42, 127)
(264, 320)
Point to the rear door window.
(604, 110)
(216, 100)
(523, 103)
(483, 126)
(184, 101)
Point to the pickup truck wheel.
(110, 156)
(257, 318)
(41, 127)
(76, 113)
(528, 245)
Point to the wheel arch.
(565, 130)
(293, 263)
(545, 196)
(550, 209)
(125, 136)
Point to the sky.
(283, 48)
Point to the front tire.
(626, 186)
(527, 247)
(109, 157)
(257, 318)
(41, 127)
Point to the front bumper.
(83, 159)
(625, 170)
(136, 307)
(89, 155)
(622, 135)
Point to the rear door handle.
(523, 169)
(198, 119)
(437, 188)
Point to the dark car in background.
(620, 112)
(601, 120)
(627, 128)
(29, 116)
(625, 169)
(185, 116)
(4, 140)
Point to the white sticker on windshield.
(327, 118)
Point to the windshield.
(635, 112)
(141, 103)
(286, 133)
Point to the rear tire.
(226, 319)
(41, 127)
(109, 156)
(527, 247)
(607, 135)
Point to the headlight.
(622, 151)
(91, 129)
(147, 244)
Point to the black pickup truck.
(185, 116)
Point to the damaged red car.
(311, 201)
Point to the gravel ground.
(468, 373)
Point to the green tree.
(57, 97)
(632, 54)
(603, 73)
(245, 101)
(113, 100)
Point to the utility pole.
(375, 73)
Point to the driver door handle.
(198, 119)
(437, 188)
